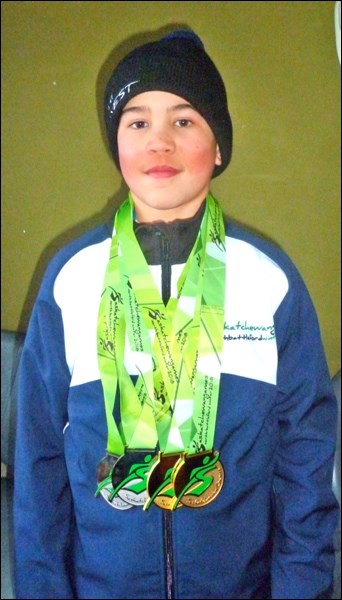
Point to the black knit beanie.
(177, 64)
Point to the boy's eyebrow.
(145, 109)
(180, 106)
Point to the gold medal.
(197, 479)
(159, 482)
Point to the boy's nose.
(160, 141)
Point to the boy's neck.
(198, 213)
(148, 214)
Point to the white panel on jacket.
(255, 288)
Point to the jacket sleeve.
(42, 497)
(306, 510)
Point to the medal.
(197, 479)
(177, 352)
(159, 482)
(104, 478)
(129, 476)
(105, 466)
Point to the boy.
(176, 421)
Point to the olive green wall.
(280, 65)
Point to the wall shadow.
(107, 213)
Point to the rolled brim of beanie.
(191, 75)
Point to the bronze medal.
(198, 479)
(159, 482)
(129, 476)
(104, 479)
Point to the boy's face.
(167, 155)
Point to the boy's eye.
(138, 124)
(183, 122)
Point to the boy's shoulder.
(85, 243)
(255, 244)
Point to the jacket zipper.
(167, 517)
(165, 268)
(170, 585)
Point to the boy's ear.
(218, 159)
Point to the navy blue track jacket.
(269, 534)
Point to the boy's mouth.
(162, 171)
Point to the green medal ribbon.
(176, 348)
